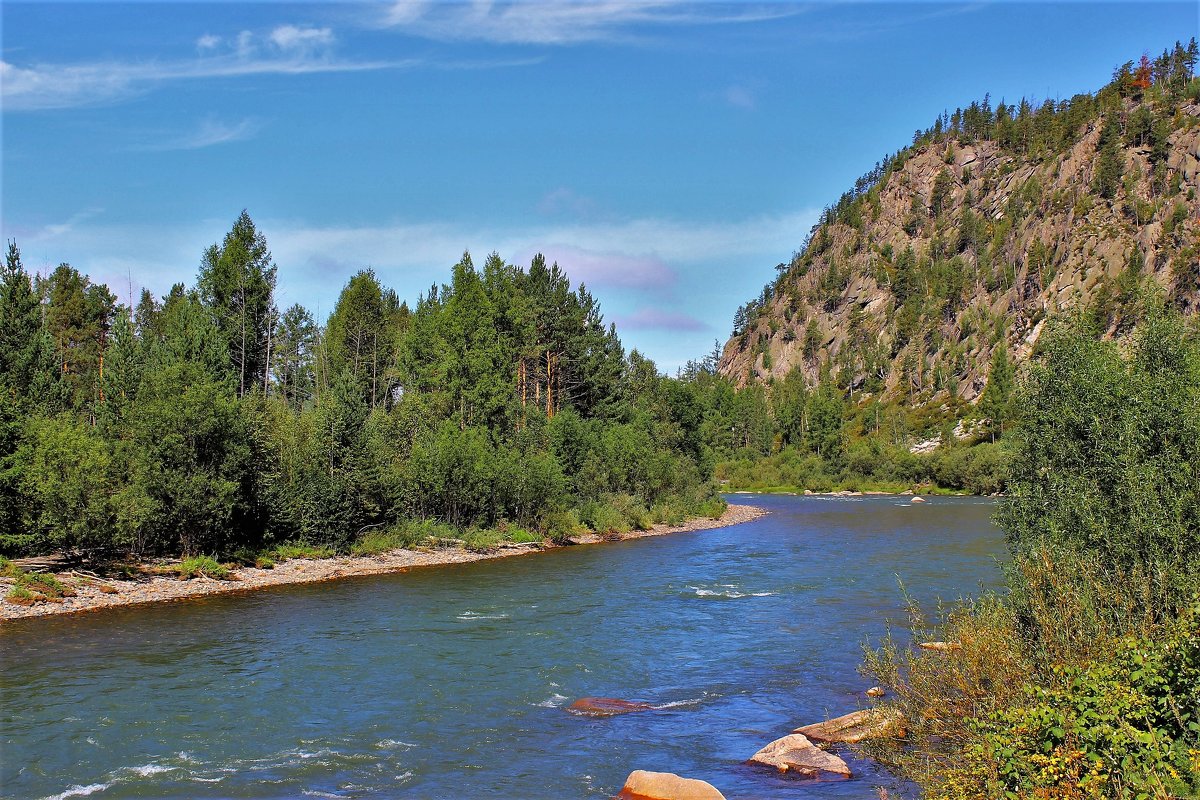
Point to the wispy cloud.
(563, 23)
(284, 50)
(659, 319)
(207, 133)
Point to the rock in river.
(643, 785)
(796, 755)
(605, 706)
(855, 727)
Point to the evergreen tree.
(20, 326)
(237, 283)
(997, 401)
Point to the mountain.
(952, 254)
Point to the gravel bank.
(162, 589)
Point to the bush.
(562, 525)
(603, 518)
(400, 536)
(632, 509)
(202, 566)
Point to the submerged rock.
(605, 706)
(796, 755)
(643, 785)
(855, 727)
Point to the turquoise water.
(451, 682)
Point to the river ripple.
(451, 682)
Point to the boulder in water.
(855, 727)
(917, 500)
(605, 706)
(876, 691)
(643, 785)
(796, 755)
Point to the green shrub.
(603, 518)
(521, 536)
(632, 509)
(202, 566)
(401, 536)
(482, 539)
(8, 569)
(562, 525)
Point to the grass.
(21, 596)
(202, 566)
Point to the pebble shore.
(163, 589)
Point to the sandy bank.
(162, 589)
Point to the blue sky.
(667, 154)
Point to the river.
(451, 682)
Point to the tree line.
(208, 421)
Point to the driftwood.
(51, 562)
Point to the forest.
(209, 422)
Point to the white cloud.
(562, 23)
(208, 42)
(291, 38)
(47, 86)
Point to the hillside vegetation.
(949, 256)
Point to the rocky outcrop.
(1013, 238)
(643, 785)
(854, 727)
(605, 706)
(797, 756)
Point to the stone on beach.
(605, 706)
(855, 727)
(643, 785)
(795, 755)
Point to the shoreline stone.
(854, 727)
(795, 755)
(644, 785)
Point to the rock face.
(605, 706)
(1013, 238)
(643, 785)
(855, 727)
(796, 755)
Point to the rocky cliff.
(977, 234)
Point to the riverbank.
(89, 595)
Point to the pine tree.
(996, 403)
(237, 283)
